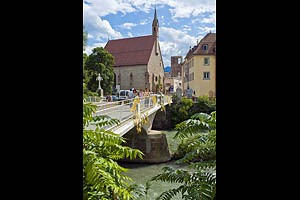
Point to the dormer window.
(205, 47)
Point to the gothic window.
(131, 80)
(131, 77)
(119, 79)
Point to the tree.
(102, 176)
(100, 61)
(181, 109)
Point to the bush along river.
(141, 173)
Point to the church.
(138, 60)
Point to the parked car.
(123, 94)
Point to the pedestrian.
(130, 94)
(141, 94)
(134, 94)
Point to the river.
(141, 173)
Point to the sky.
(181, 22)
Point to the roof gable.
(210, 41)
(131, 51)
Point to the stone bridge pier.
(152, 143)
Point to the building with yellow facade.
(199, 68)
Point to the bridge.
(132, 114)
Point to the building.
(199, 68)
(173, 79)
(176, 65)
(138, 60)
(172, 84)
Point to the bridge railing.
(121, 110)
(94, 99)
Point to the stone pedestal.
(101, 92)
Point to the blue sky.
(181, 23)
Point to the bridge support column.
(151, 142)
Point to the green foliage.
(102, 176)
(100, 61)
(200, 184)
(205, 104)
(183, 109)
(180, 110)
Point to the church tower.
(155, 27)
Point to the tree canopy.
(100, 61)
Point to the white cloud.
(175, 43)
(89, 48)
(130, 34)
(203, 30)
(186, 28)
(188, 8)
(210, 20)
(127, 25)
(97, 27)
(105, 7)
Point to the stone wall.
(155, 69)
(137, 80)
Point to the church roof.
(131, 51)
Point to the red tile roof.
(131, 51)
(210, 41)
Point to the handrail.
(109, 106)
(122, 111)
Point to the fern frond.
(169, 194)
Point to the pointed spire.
(155, 20)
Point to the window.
(191, 76)
(206, 61)
(206, 75)
(205, 47)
